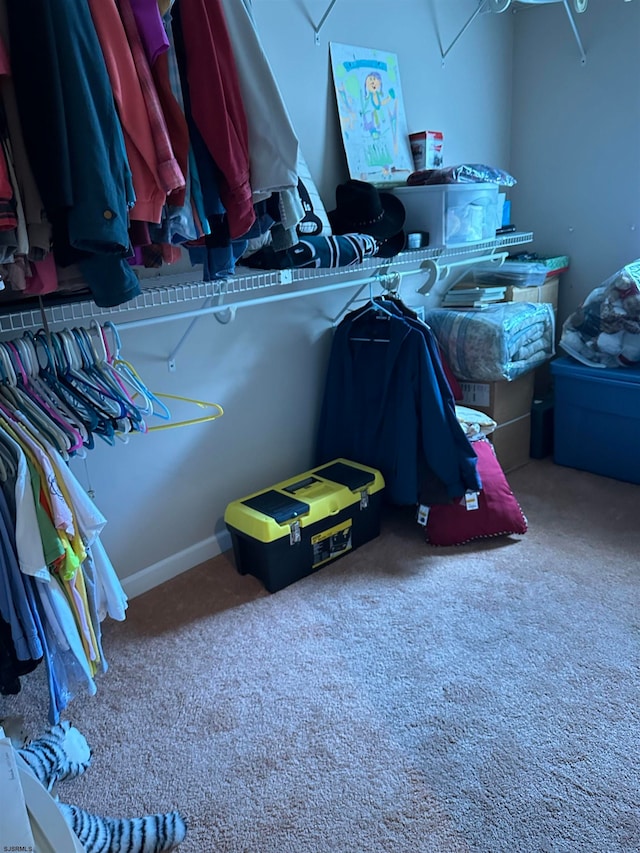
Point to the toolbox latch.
(294, 533)
(364, 498)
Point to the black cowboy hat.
(362, 209)
(392, 246)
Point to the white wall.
(468, 97)
(576, 139)
(164, 494)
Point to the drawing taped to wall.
(371, 111)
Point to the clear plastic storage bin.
(453, 214)
(518, 274)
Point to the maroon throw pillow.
(498, 513)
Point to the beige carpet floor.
(404, 699)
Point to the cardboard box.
(547, 292)
(512, 443)
(501, 400)
(509, 404)
(15, 826)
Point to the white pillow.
(474, 423)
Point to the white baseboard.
(176, 564)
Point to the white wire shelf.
(176, 294)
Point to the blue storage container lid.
(570, 367)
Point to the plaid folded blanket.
(500, 342)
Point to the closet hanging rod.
(444, 270)
(436, 272)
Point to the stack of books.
(473, 297)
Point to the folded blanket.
(499, 342)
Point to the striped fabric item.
(320, 252)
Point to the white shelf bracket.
(583, 55)
(502, 6)
(481, 6)
(318, 27)
(225, 315)
(437, 273)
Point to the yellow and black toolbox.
(286, 532)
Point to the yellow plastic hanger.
(217, 412)
(130, 374)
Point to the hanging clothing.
(129, 98)
(56, 581)
(273, 144)
(169, 172)
(126, 137)
(11, 669)
(17, 604)
(178, 222)
(54, 611)
(217, 251)
(64, 96)
(176, 123)
(151, 29)
(387, 404)
(38, 228)
(216, 104)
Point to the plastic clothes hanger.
(22, 408)
(8, 466)
(122, 376)
(68, 361)
(102, 367)
(216, 410)
(4, 414)
(8, 372)
(129, 417)
(82, 366)
(49, 375)
(128, 372)
(95, 368)
(29, 360)
(380, 312)
(104, 402)
(100, 424)
(19, 358)
(102, 364)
